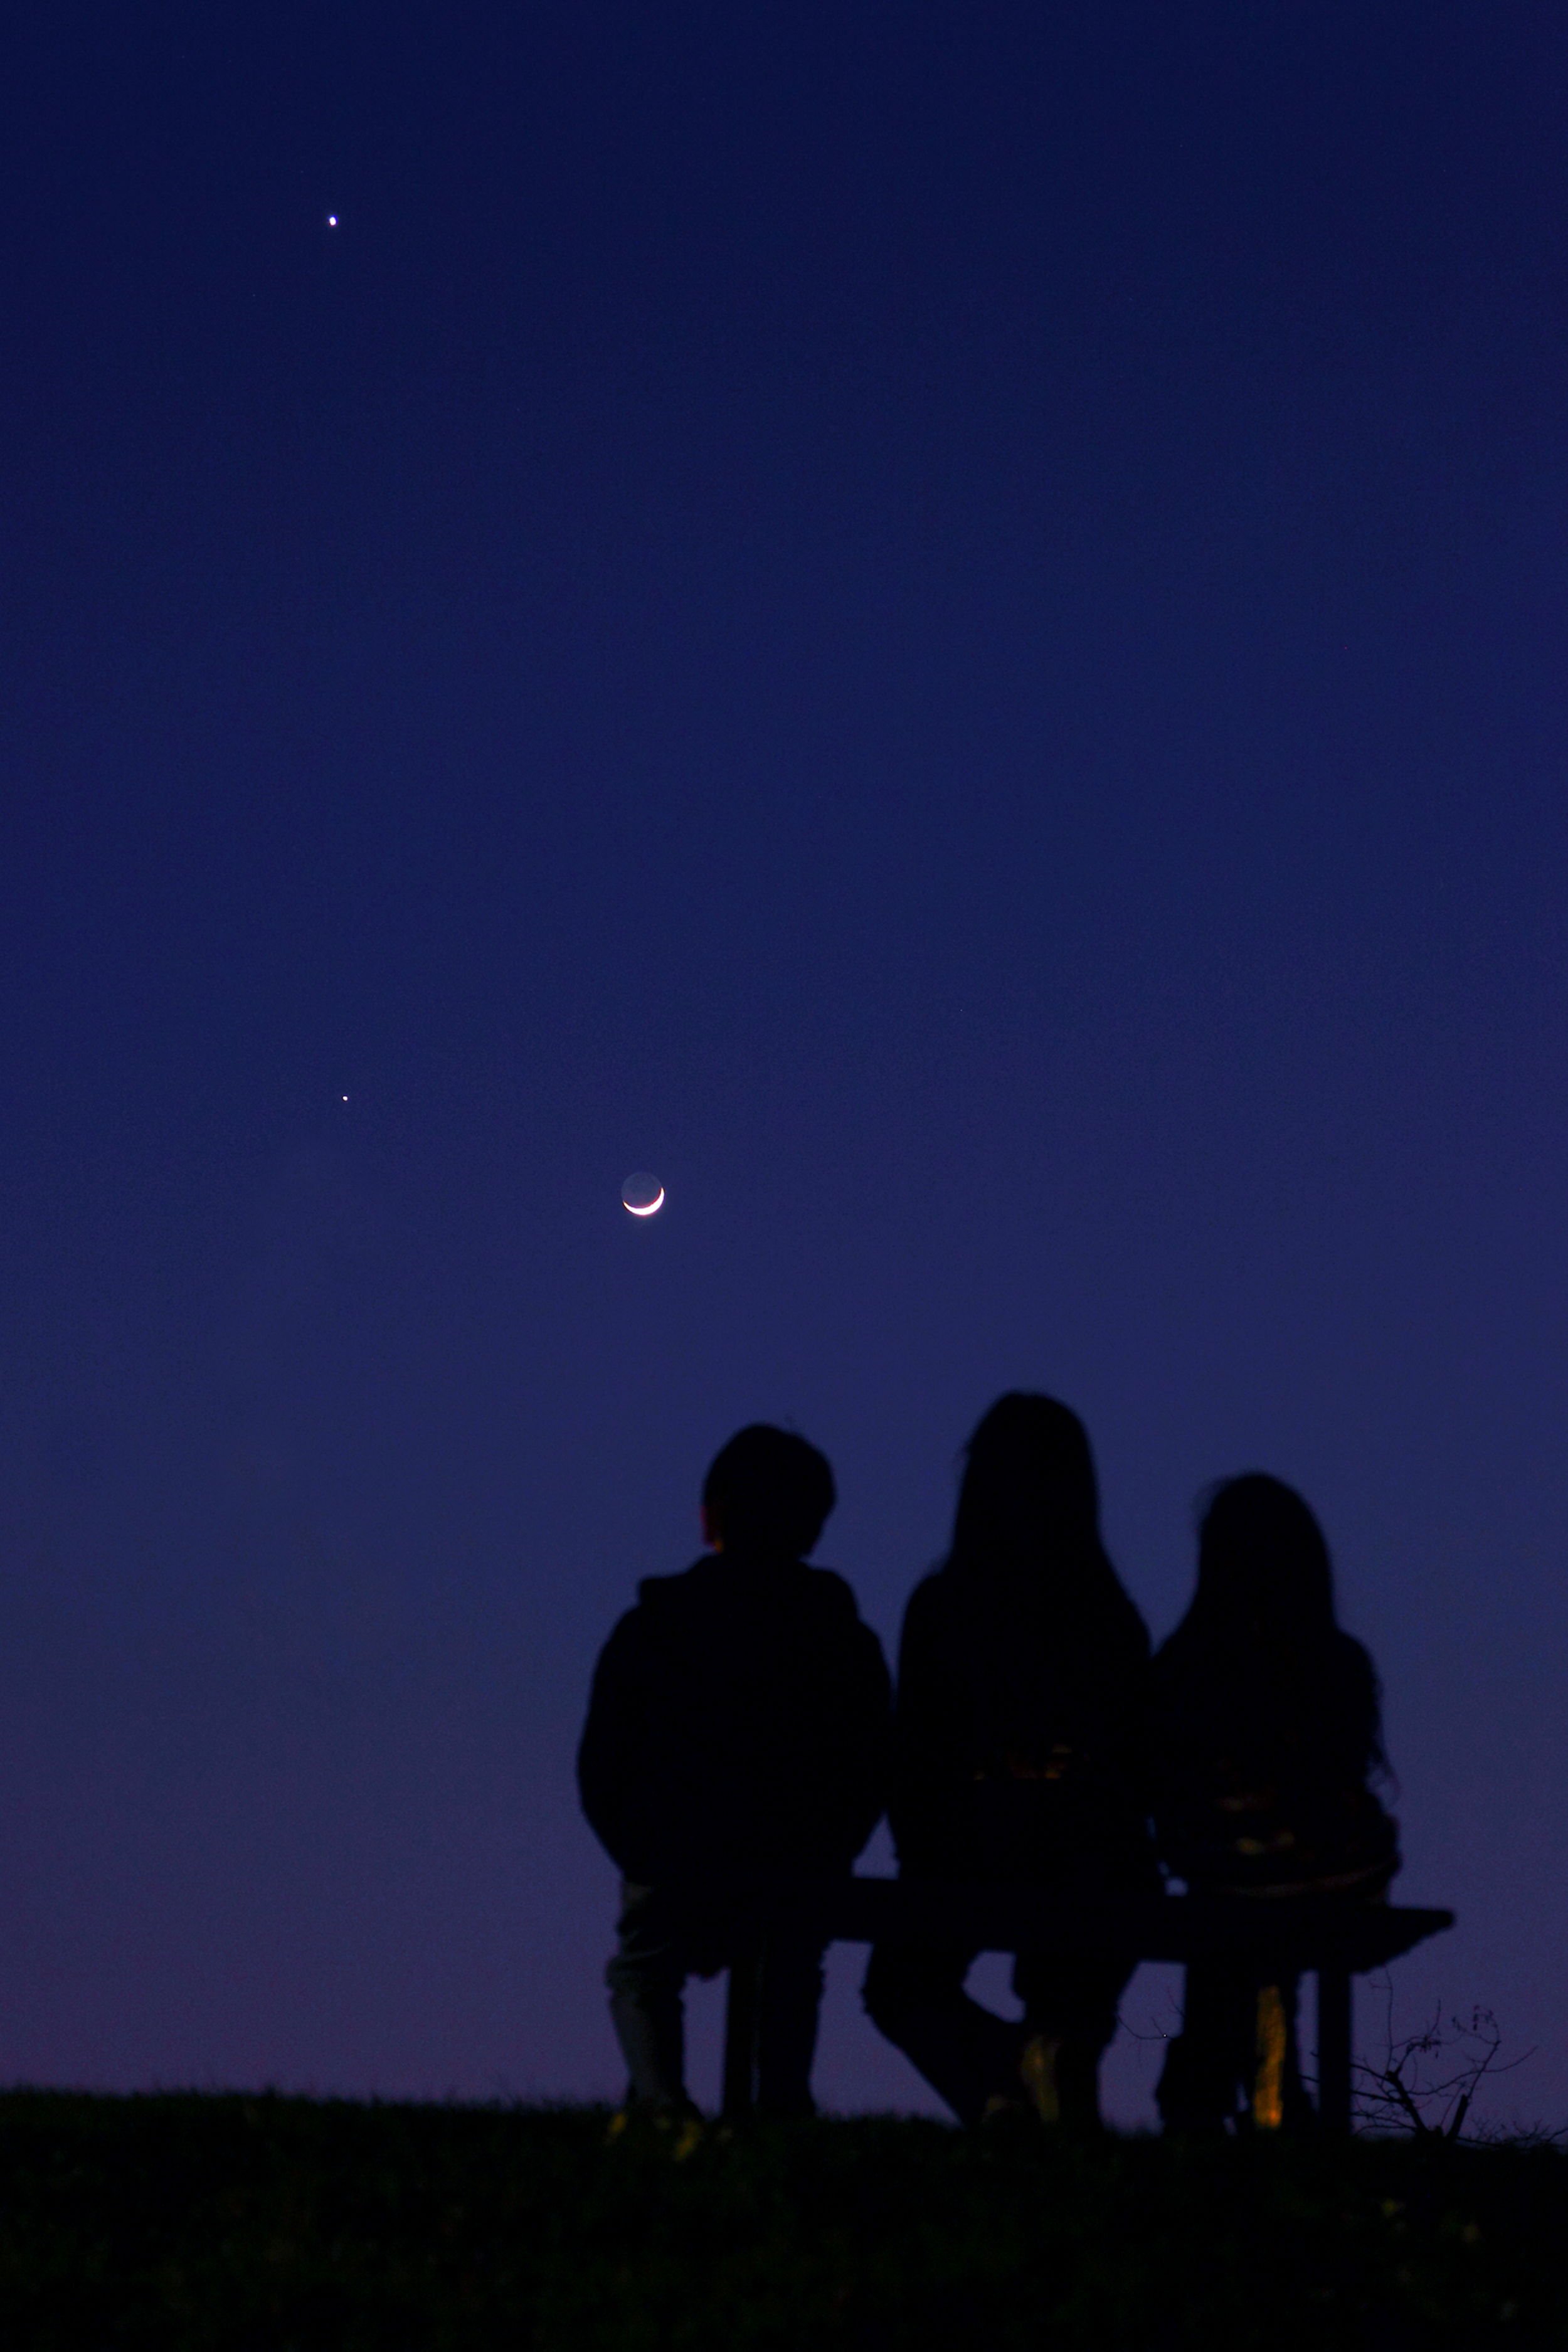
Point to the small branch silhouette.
(1428, 2080)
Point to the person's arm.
(1178, 1778)
(924, 1766)
(1138, 1735)
(608, 1757)
(869, 1719)
(1362, 1711)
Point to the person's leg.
(914, 1994)
(1276, 2094)
(789, 1997)
(1071, 2015)
(646, 1979)
(1215, 2053)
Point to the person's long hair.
(1264, 1570)
(1025, 1537)
(1043, 1658)
(1261, 1638)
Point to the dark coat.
(738, 1723)
(1264, 1754)
(1020, 1736)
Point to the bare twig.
(1428, 2080)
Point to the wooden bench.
(1334, 1940)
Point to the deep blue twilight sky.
(946, 625)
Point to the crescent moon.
(652, 1209)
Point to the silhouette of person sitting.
(737, 1729)
(1018, 1757)
(1267, 1733)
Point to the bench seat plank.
(1290, 1934)
(1301, 1931)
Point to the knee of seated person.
(632, 1972)
(1193, 2092)
(895, 1985)
(882, 1995)
(798, 1965)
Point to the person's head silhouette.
(1263, 1563)
(767, 1494)
(1028, 1505)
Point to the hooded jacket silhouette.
(737, 1724)
(737, 1731)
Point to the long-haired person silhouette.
(1267, 1731)
(1018, 1757)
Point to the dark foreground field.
(271, 2222)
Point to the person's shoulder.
(666, 1613)
(1173, 1667)
(689, 1587)
(934, 1613)
(827, 1625)
(660, 1599)
(1126, 1628)
(933, 1596)
(830, 1598)
(1183, 1644)
(1353, 1660)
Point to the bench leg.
(1334, 2050)
(741, 2034)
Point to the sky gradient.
(945, 626)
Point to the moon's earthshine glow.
(642, 1195)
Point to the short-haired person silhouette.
(1018, 1757)
(1267, 1733)
(737, 1729)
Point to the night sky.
(944, 624)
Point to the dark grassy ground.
(270, 2222)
